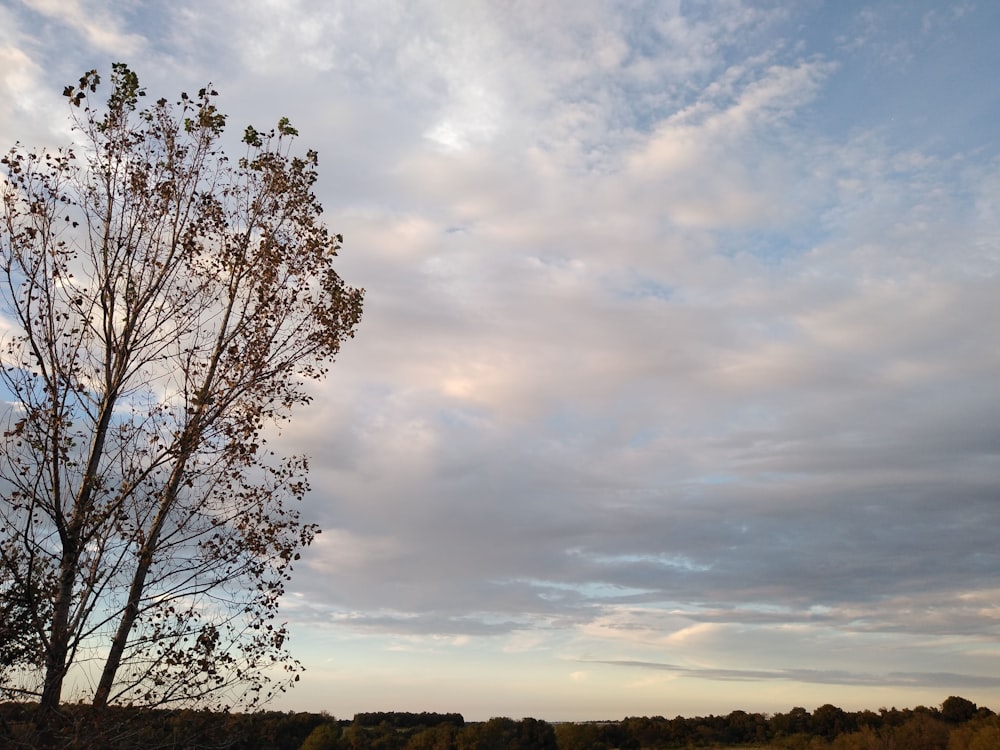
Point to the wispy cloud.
(100, 26)
(940, 680)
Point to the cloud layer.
(678, 359)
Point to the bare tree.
(160, 308)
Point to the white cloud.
(20, 79)
(96, 23)
(726, 164)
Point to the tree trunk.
(130, 612)
(138, 585)
(57, 650)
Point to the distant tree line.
(404, 720)
(959, 724)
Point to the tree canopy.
(161, 306)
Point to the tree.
(503, 733)
(829, 721)
(980, 733)
(161, 308)
(325, 736)
(578, 736)
(922, 731)
(956, 709)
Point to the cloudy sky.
(677, 388)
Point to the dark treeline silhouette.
(403, 720)
(958, 724)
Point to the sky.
(676, 390)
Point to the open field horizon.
(958, 724)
